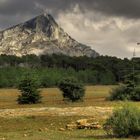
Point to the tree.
(72, 89)
(29, 91)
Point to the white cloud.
(108, 35)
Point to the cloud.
(113, 36)
(109, 26)
(125, 8)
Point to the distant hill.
(41, 35)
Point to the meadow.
(47, 127)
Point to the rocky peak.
(41, 35)
(42, 23)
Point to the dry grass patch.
(52, 97)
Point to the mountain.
(41, 35)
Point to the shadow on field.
(97, 137)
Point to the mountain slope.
(41, 35)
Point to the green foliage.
(49, 77)
(120, 93)
(116, 67)
(102, 70)
(29, 91)
(129, 91)
(47, 81)
(136, 94)
(72, 89)
(124, 122)
(125, 93)
(106, 77)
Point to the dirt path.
(53, 111)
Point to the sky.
(111, 27)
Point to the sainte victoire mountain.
(41, 35)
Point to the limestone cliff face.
(41, 35)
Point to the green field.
(46, 127)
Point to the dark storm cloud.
(11, 7)
(126, 8)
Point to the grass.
(52, 97)
(95, 96)
(34, 127)
(46, 128)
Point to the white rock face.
(41, 35)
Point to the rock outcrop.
(41, 35)
(84, 124)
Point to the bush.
(29, 91)
(120, 93)
(72, 89)
(124, 122)
(125, 93)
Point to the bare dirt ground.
(102, 112)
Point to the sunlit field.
(52, 97)
(47, 127)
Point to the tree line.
(51, 68)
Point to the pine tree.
(29, 91)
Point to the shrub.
(72, 89)
(29, 91)
(120, 93)
(125, 93)
(124, 122)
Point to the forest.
(49, 69)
